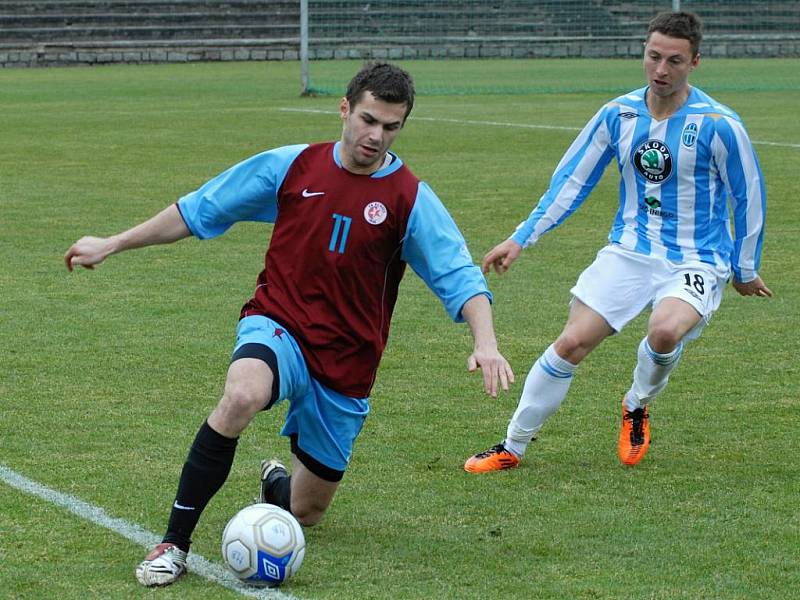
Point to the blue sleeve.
(434, 247)
(247, 191)
(741, 173)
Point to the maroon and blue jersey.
(338, 251)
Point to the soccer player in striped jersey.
(349, 216)
(683, 157)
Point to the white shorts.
(620, 284)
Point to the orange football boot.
(634, 435)
(496, 458)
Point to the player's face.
(369, 128)
(667, 64)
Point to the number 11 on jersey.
(337, 229)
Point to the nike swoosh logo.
(182, 507)
(307, 194)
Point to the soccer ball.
(263, 545)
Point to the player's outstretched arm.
(501, 256)
(165, 227)
(496, 371)
(756, 287)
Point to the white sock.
(545, 388)
(651, 374)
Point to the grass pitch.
(105, 376)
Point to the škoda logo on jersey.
(653, 160)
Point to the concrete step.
(18, 21)
(34, 35)
(45, 7)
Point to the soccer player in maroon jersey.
(349, 216)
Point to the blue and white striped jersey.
(678, 176)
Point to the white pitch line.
(781, 144)
(445, 120)
(94, 514)
(502, 124)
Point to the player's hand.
(495, 368)
(501, 256)
(753, 288)
(87, 252)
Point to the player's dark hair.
(682, 25)
(386, 81)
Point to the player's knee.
(309, 508)
(308, 516)
(663, 337)
(247, 399)
(571, 347)
(243, 398)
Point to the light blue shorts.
(321, 423)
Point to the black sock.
(279, 492)
(205, 470)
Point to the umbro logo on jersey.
(653, 159)
(307, 194)
(628, 115)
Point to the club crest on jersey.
(653, 160)
(689, 135)
(375, 213)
